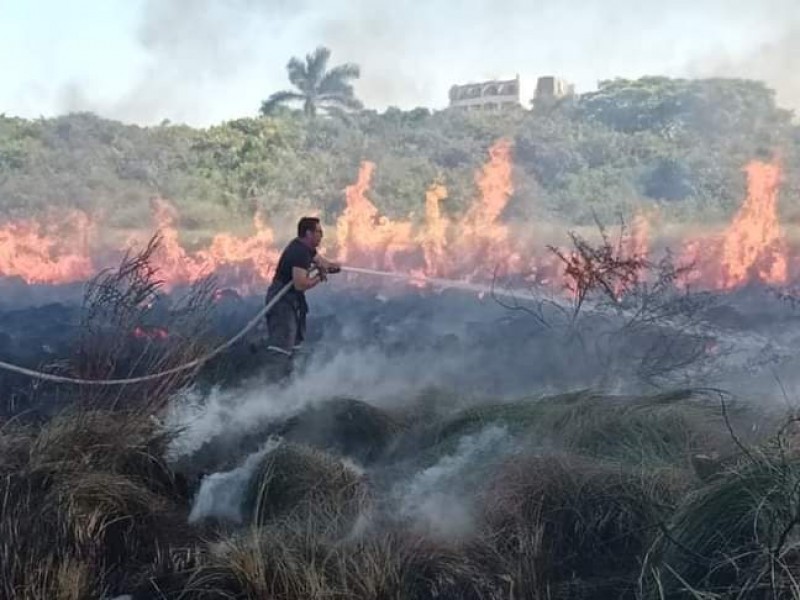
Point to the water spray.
(439, 282)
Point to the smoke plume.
(773, 61)
(434, 498)
(202, 62)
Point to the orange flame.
(242, 263)
(475, 247)
(469, 248)
(247, 263)
(364, 236)
(39, 254)
(752, 248)
(484, 243)
(434, 236)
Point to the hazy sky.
(204, 61)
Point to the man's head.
(310, 231)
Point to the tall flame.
(468, 248)
(245, 263)
(753, 246)
(483, 242)
(364, 236)
(433, 239)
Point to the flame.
(245, 264)
(476, 246)
(153, 333)
(365, 238)
(484, 243)
(47, 253)
(469, 248)
(434, 236)
(752, 248)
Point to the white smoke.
(202, 61)
(220, 494)
(437, 499)
(774, 61)
(366, 374)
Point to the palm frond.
(298, 74)
(316, 64)
(341, 100)
(337, 79)
(279, 98)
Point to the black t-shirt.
(296, 254)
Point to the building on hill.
(500, 95)
(492, 95)
(551, 91)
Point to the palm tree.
(316, 86)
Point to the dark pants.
(286, 327)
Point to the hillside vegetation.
(676, 144)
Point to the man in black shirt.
(286, 322)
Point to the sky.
(202, 62)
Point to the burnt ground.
(378, 338)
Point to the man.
(286, 322)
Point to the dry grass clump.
(657, 430)
(296, 482)
(736, 536)
(128, 328)
(88, 507)
(87, 500)
(565, 526)
(344, 426)
(289, 560)
(84, 503)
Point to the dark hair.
(306, 224)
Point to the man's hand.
(328, 265)
(317, 273)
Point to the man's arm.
(302, 281)
(328, 265)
